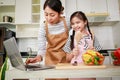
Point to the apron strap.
(65, 26)
(46, 28)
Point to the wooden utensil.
(78, 36)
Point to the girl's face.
(51, 16)
(77, 24)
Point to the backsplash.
(105, 35)
(116, 35)
(25, 43)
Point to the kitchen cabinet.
(96, 10)
(23, 12)
(7, 2)
(27, 18)
(92, 8)
(113, 10)
(27, 13)
(70, 7)
(35, 11)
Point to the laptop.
(16, 58)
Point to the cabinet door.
(84, 5)
(99, 6)
(23, 12)
(113, 9)
(92, 6)
(7, 2)
(70, 7)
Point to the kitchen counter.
(109, 71)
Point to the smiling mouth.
(77, 29)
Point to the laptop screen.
(13, 53)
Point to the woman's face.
(51, 16)
(77, 24)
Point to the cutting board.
(79, 66)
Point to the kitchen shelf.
(8, 25)
(7, 11)
(97, 14)
(35, 1)
(35, 11)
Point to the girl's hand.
(91, 47)
(34, 60)
(75, 51)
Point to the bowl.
(91, 57)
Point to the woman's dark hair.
(81, 16)
(55, 5)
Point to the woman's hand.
(34, 60)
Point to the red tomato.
(117, 53)
(116, 62)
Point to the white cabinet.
(84, 5)
(113, 9)
(99, 6)
(36, 11)
(89, 7)
(23, 12)
(96, 10)
(7, 2)
(27, 13)
(27, 18)
(92, 6)
(70, 7)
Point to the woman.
(53, 33)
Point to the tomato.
(116, 54)
(116, 62)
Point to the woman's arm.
(41, 46)
(42, 40)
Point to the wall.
(24, 43)
(104, 35)
(108, 36)
(116, 32)
(116, 35)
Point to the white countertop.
(109, 71)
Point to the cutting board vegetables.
(79, 66)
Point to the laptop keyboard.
(32, 66)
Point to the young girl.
(81, 39)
